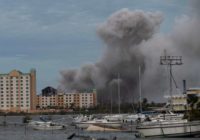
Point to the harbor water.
(14, 129)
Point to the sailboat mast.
(119, 99)
(111, 101)
(140, 90)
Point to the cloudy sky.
(51, 36)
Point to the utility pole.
(170, 61)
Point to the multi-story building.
(68, 100)
(47, 101)
(179, 102)
(18, 91)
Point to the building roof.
(194, 88)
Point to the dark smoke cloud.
(132, 40)
(122, 33)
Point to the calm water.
(16, 131)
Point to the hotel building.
(68, 100)
(18, 91)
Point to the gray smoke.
(183, 41)
(122, 33)
(131, 41)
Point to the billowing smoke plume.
(122, 33)
(183, 41)
(131, 41)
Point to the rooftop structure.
(49, 91)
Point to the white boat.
(133, 118)
(168, 115)
(99, 122)
(40, 125)
(36, 123)
(81, 118)
(115, 117)
(51, 126)
(170, 128)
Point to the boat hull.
(85, 125)
(170, 130)
(48, 127)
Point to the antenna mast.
(140, 90)
(170, 61)
(119, 99)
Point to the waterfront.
(15, 130)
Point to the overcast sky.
(54, 35)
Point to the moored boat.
(99, 122)
(49, 127)
(40, 125)
(81, 118)
(133, 118)
(169, 128)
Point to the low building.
(68, 100)
(179, 101)
(47, 101)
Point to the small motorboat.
(40, 125)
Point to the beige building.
(68, 100)
(18, 91)
(179, 101)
